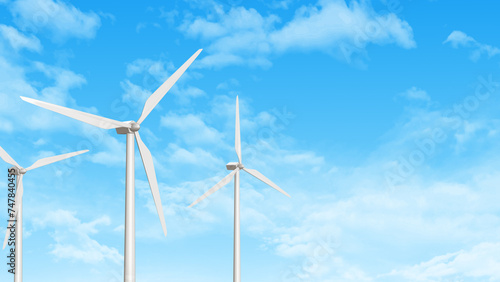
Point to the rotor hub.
(18, 171)
(134, 126)
(240, 166)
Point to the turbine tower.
(17, 213)
(236, 167)
(131, 130)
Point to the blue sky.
(379, 118)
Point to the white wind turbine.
(236, 167)
(131, 129)
(17, 213)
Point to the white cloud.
(196, 156)
(334, 22)
(190, 92)
(228, 84)
(460, 39)
(415, 93)
(40, 142)
(134, 95)
(181, 220)
(7, 125)
(18, 40)
(55, 88)
(244, 37)
(61, 19)
(72, 238)
(191, 129)
(159, 69)
(480, 262)
(64, 80)
(153, 74)
(113, 153)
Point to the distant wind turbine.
(236, 167)
(131, 129)
(17, 213)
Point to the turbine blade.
(7, 158)
(237, 139)
(53, 159)
(217, 186)
(264, 179)
(17, 199)
(91, 119)
(156, 97)
(147, 160)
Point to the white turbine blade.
(7, 158)
(91, 119)
(217, 186)
(147, 160)
(17, 199)
(156, 97)
(53, 159)
(264, 179)
(237, 139)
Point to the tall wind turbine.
(131, 129)
(17, 213)
(236, 167)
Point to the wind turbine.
(236, 167)
(131, 129)
(18, 204)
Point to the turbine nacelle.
(18, 171)
(235, 168)
(133, 127)
(234, 165)
(238, 166)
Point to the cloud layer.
(243, 36)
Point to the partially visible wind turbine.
(131, 129)
(236, 167)
(18, 204)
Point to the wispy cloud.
(19, 40)
(151, 74)
(191, 129)
(194, 157)
(479, 262)
(243, 36)
(73, 238)
(415, 93)
(62, 20)
(459, 39)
